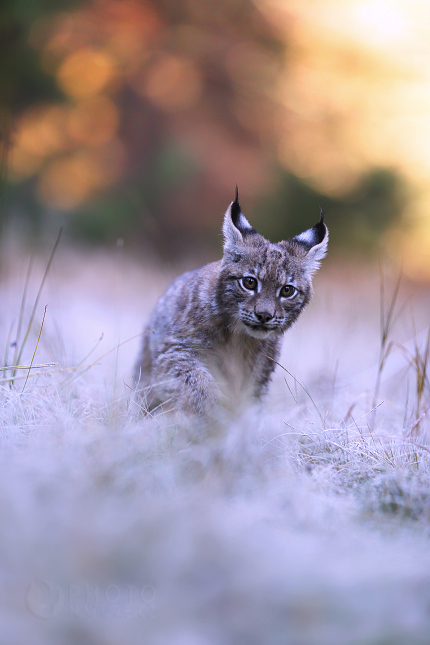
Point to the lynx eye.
(287, 291)
(249, 283)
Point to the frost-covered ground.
(305, 523)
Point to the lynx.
(214, 337)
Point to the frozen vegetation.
(306, 522)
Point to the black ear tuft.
(238, 218)
(320, 229)
(315, 235)
(236, 210)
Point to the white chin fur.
(258, 333)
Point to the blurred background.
(135, 119)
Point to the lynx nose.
(263, 316)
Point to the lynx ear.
(315, 240)
(236, 227)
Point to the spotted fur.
(212, 340)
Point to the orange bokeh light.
(39, 133)
(86, 72)
(93, 120)
(66, 183)
(172, 83)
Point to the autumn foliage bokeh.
(136, 119)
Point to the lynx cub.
(215, 333)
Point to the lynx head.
(263, 287)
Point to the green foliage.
(23, 82)
(355, 220)
(142, 207)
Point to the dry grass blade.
(21, 312)
(50, 373)
(33, 313)
(80, 364)
(6, 353)
(85, 368)
(27, 367)
(35, 349)
(415, 425)
(421, 363)
(418, 360)
(303, 388)
(386, 324)
(291, 391)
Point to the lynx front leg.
(181, 378)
